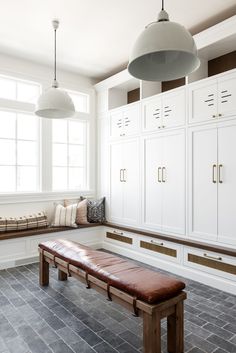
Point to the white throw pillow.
(65, 216)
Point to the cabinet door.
(131, 199)
(131, 118)
(227, 96)
(152, 182)
(173, 109)
(116, 183)
(173, 183)
(152, 114)
(116, 124)
(227, 184)
(203, 188)
(203, 102)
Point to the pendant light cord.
(55, 56)
(162, 6)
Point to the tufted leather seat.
(144, 284)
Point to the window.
(19, 152)
(80, 100)
(69, 154)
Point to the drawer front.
(119, 238)
(158, 248)
(213, 263)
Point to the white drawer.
(211, 262)
(13, 248)
(160, 248)
(120, 238)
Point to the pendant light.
(55, 103)
(164, 51)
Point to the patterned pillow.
(96, 210)
(65, 216)
(35, 220)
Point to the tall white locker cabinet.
(124, 182)
(164, 182)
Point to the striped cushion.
(65, 216)
(35, 220)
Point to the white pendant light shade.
(164, 51)
(55, 104)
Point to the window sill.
(43, 196)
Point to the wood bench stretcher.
(171, 308)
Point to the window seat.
(38, 231)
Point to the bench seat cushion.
(147, 285)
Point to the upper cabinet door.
(227, 184)
(203, 102)
(173, 109)
(173, 182)
(227, 96)
(116, 124)
(152, 114)
(203, 183)
(131, 120)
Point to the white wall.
(21, 204)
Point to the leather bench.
(147, 293)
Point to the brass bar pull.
(118, 233)
(158, 176)
(218, 258)
(220, 168)
(162, 175)
(120, 175)
(213, 173)
(156, 243)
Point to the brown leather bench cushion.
(146, 285)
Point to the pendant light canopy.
(164, 51)
(55, 103)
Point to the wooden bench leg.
(175, 329)
(62, 276)
(152, 332)
(43, 271)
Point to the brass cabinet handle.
(118, 233)
(158, 176)
(218, 258)
(162, 174)
(220, 168)
(156, 243)
(214, 116)
(121, 175)
(213, 173)
(220, 115)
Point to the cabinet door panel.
(131, 117)
(227, 189)
(173, 109)
(173, 216)
(116, 185)
(227, 96)
(152, 114)
(116, 124)
(131, 203)
(152, 182)
(203, 102)
(203, 206)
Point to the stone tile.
(221, 343)
(93, 324)
(132, 339)
(218, 331)
(90, 337)
(54, 322)
(60, 347)
(196, 350)
(103, 347)
(126, 348)
(212, 319)
(206, 346)
(111, 338)
(38, 346)
(82, 347)
(48, 334)
(68, 335)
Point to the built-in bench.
(145, 292)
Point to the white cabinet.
(125, 121)
(124, 182)
(213, 182)
(212, 99)
(164, 182)
(164, 111)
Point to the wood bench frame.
(172, 309)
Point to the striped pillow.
(35, 220)
(65, 216)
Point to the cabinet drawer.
(119, 237)
(165, 250)
(213, 263)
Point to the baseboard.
(178, 269)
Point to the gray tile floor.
(66, 317)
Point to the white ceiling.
(95, 36)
